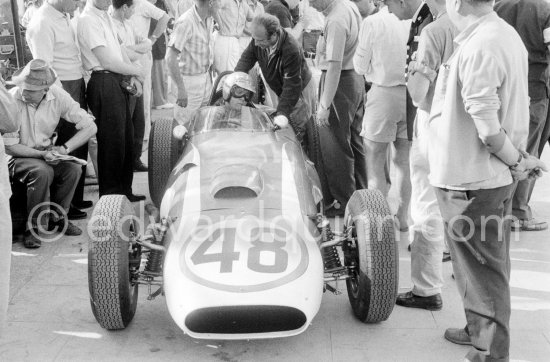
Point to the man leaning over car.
(285, 70)
(40, 104)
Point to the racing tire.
(373, 283)
(313, 149)
(113, 296)
(163, 154)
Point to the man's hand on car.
(280, 121)
(50, 158)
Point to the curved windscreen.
(245, 119)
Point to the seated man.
(40, 104)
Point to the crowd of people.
(451, 94)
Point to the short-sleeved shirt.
(281, 10)
(231, 17)
(531, 19)
(382, 49)
(340, 35)
(95, 29)
(38, 124)
(51, 38)
(192, 38)
(143, 13)
(436, 45)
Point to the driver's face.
(237, 103)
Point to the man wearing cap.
(285, 70)
(103, 55)
(51, 38)
(40, 104)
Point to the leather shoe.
(30, 240)
(76, 214)
(62, 224)
(135, 198)
(458, 336)
(411, 300)
(140, 167)
(84, 204)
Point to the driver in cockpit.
(237, 92)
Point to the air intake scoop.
(236, 181)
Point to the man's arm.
(111, 63)
(423, 70)
(248, 58)
(363, 55)
(8, 110)
(162, 23)
(83, 121)
(335, 40)
(292, 83)
(174, 71)
(22, 151)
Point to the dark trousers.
(115, 133)
(545, 138)
(484, 287)
(138, 121)
(66, 130)
(538, 110)
(45, 183)
(341, 143)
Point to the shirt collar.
(53, 11)
(90, 7)
(49, 96)
(417, 12)
(330, 7)
(471, 29)
(196, 14)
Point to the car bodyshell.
(242, 250)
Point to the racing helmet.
(238, 85)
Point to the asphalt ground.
(50, 319)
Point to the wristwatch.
(65, 147)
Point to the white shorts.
(385, 117)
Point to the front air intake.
(245, 319)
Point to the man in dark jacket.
(285, 71)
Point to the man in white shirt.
(8, 123)
(103, 56)
(39, 106)
(480, 119)
(381, 56)
(141, 20)
(137, 49)
(51, 38)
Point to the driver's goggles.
(239, 92)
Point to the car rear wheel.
(113, 263)
(163, 155)
(372, 255)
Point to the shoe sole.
(530, 228)
(432, 309)
(462, 343)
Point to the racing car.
(238, 244)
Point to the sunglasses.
(239, 92)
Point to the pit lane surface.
(49, 317)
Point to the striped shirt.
(192, 38)
(231, 17)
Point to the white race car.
(240, 246)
